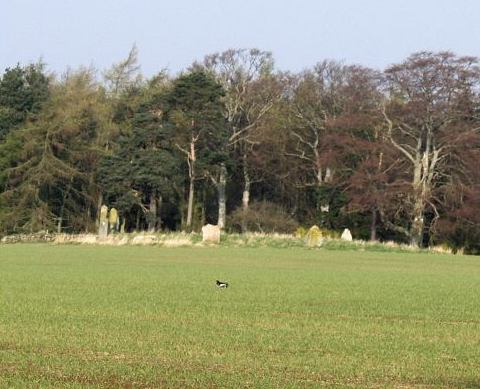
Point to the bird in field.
(222, 284)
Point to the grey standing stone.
(103, 225)
(314, 237)
(113, 220)
(346, 235)
(211, 234)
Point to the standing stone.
(346, 235)
(314, 237)
(103, 225)
(211, 234)
(113, 220)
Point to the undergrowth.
(250, 240)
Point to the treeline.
(392, 155)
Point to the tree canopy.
(392, 154)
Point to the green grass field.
(150, 317)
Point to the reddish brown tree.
(429, 120)
(334, 116)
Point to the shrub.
(263, 217)
(300, 232)
(330, 233)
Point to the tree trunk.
(159, 213)
(222, 200)
(190, 204)
(89, 217)
(60, 217)
(328, 175)
(423, 169)
(246, 190)
(99, 207)
(137, 224)
(246, 195)
(418, 222)
(62, 208)
(203, 206)
(373, 225)
(191, 192)
(319, 176)
(152, 217)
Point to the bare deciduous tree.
(430, 98)
(251, 91)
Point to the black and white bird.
(222, 284)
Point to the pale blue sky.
(172, 34)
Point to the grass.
(147, 317)
(249, 239)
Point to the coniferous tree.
(143, 174)
(195, 110)
(23, 91)
(51, 184)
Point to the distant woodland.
(391, 154)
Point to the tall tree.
(23, 91)
(429, 120)
(195, 109)
(124, 75)
(331, 110)
(317, 101)
(51, 183)
(251, 91)
(144, 172)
